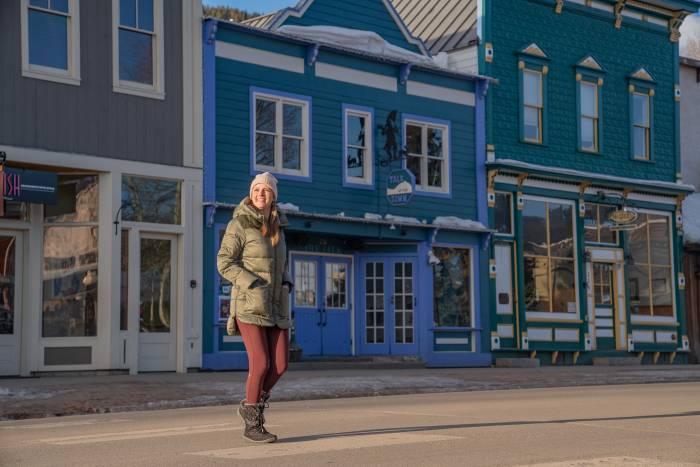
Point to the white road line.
(322, 445)
(140, 434)
(35, 426)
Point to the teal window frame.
(648, 88)
(537, 64)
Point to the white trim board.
(430, 91)
(352, 76)
(259, 57)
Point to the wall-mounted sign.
(623, 219)
(400, 186)
(29, 186)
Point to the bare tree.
(228, 13)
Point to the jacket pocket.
(257, 300)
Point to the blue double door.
(322, 304)
(387, 306)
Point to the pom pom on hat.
(267, 179)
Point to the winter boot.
(254, 430)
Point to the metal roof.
(443, 25)
(263, 21)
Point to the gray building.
(690, 120)
(100, 226)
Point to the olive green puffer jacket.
(256, 269)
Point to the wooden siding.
(366, 15)
(91, 119)
(326, 194)
(691, 267)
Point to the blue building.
(381, 159)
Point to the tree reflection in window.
(150, 200)
(452, 282)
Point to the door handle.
(320, 318)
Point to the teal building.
(381, 159)
(584, 185)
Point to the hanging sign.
(400, 186)
(623, 219)
(29, 186)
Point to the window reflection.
(452, 284)
(151, 200)
(156, 264)
(76, 200)
(7, 284)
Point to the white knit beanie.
(266, 179)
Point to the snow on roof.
(456, 222)
(288, 207)
(401, 219)
(691, 219)
(366, 41)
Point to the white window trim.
(557, 315)
(157, 90)
(369, 147)
(279, 100)
(424, 125)
(70, 76)
(594, 118)
(646, 126)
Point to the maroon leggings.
(268, 355)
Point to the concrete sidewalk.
(71, 395)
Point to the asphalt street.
(624, 425)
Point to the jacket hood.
(248, 216)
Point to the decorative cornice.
(534, 50)
(674, 25)
(619, 6)
(559, 5)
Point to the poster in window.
(224, 308)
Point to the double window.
(138, 63)
(428, 154)
(51, 40)
(358, 160)
(281, 141)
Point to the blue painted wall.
(365, 15)
(567, 38)
(326, 194)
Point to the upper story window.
(428, 153)
(138, 48)
(641, 90)
(51, 40)
(589, 83)
(641, 126)
(281, 142)
(589, 116)
(533, 68)
(533, 106)
(358, 161)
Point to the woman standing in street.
(253, 257)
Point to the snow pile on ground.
(691, 219)
(288, 207)
(28, 394)
(452, 221)
(401, 219)
(355, 39)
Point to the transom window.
(281, 142)
(357, 140)
(533, 106)
(427, 146)
(641, 126)
(548, 251)
(588, 118)
(650, 273)
(596, 226)
(138, 47)
(51, 40)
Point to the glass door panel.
(10, 301)
(306, 307)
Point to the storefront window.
(452, 284)
(69, 305)
(596, 225)
(503, 219)
(15, 210)
(151, 200)
(650, 271)
(548, 250)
